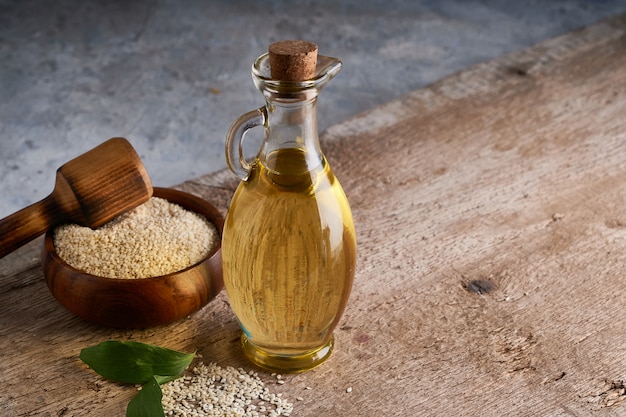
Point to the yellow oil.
(288, 254)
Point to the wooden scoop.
(90, 190)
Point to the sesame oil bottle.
(289, 246)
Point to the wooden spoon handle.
(23, 226)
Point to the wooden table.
(491, 218)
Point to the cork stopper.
(293, 60)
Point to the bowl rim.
(216, 220)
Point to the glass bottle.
(289, 245)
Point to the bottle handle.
(234, 140)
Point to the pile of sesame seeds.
(212, 391)
(156, 238)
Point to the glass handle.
(234, 140)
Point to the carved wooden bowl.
(139, 302)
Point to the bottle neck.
(291, 130)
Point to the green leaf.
(134, 362)
(163, 379)
(147, 402)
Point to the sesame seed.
(156, 238)
(217, 391)
(349, 389)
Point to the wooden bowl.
(138, 302)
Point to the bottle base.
(296, 363)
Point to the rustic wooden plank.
(492, 246)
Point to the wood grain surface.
(491, 218)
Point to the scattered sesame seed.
(349, 389)
(213, 391)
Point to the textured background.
(171, 76)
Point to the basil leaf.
(147, 402)
(134, 362)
